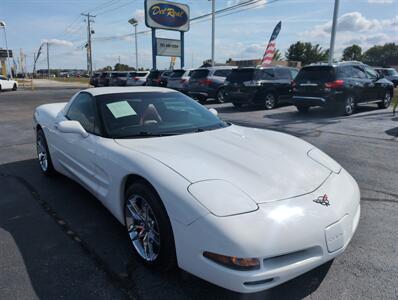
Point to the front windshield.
(129, 115)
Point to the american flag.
(270, 50)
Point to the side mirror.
(213, 111)
(72, 127)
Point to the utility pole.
(134, 22)
(48, 61)
(89, 52)
(334, 25)
(213, 29)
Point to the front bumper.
(290, 237)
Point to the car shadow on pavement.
(72, 246)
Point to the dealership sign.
(3, 53)
(166, 15)
(168, 47)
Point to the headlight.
(324, 159)
(222, 198)
(232, 262)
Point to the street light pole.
(213, 29)
(3, 24)
(48, 61)
(136, 46)
(333, 34)
(134, 22)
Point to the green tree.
(306, 53)
(353, 52)
(382, 55)
(107, 68)
(122, 67)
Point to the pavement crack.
(125, 284)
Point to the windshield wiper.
(146, 134)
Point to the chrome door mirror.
(72, 127)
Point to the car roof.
(134, 89)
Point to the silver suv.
(208, 83)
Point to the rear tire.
(386, 101)
(43, 154)
(349, 105)
(148, 227)
(270, 101)
(14, 88)
(302, 109)
(220, 96)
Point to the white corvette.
(246, 209)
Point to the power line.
(243, 6)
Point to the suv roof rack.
(354, 62)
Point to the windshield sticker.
(121, 109)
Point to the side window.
(267, 74)
(282, 74)
(293, 73)
(222, 73)
(370, 73)
(82, 110)
(2, 78)
(358, 72)
(345, 72)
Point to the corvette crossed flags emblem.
(323, 200)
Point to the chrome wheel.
(387, 100)
(349, 105)
(270, 101)
(42, 153)
(220, 96)
(142, 227)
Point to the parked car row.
(339, 86)
(119, 78)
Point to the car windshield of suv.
(154, 74)
(264, 74)
(199, 73)
(137, 115)
(241, 75)
(177, 73)
(316, 74)
(140, 74)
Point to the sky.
(239, 35)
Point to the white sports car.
(246, 209)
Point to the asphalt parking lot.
(57, 241)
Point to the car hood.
(266, 165)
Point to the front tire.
(43, 154)
(14, 88)
(386, 101)
(148, 227)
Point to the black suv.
(259, 86)
(157, 78)
(340, 86)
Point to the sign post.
(160, 14)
